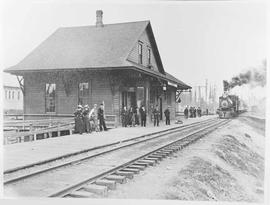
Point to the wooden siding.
(134, 57)
(66, 104)
(34, 94)
(100, 90)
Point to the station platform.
(22, 154)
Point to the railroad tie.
(82, 194)
(137, 167)
(165, 152)
(156, 159)
(108, 183)
(159, 156)
(117, 178)
(179, 145)
(175, 147)
(96, 189)
(150, 162)
(133, 170)
(144, 164)
(127, 174)
(185, 144)
(170, 150)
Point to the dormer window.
(149, 56)
(140, 51)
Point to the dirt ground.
(227, 165)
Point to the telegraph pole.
(200, 95)
(206, 97)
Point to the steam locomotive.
(228, 106)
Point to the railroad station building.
(117, 64)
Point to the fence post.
(58, 130)
(70, 130)
(35, 137)
(115, 121)
(23, 122)
(31, 129)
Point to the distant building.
(13, 100)
(118, 64)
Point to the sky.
(196, 40)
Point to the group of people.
(156, 114)
(192, 112)
(133, 116)
(87, 120)
(137, 116)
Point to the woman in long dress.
(79, 128)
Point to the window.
(50, 97)
(9, 94)
(13, 94)
(149, 56)
(83, 93)
(18, 95)
(140, 50)
(6, 94)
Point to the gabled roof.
(94, 47)
(84, 47)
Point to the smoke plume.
(254, 77)
(250, 86)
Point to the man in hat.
(143, 116)
(191, 111)
(86, 120)
(156, 116)
(78, 120)
(101, 118)
(124, 116)
(186, 112)
(199, 112)
(167, 116)
(93, 118)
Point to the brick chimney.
(99, 22)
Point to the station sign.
(172, 84)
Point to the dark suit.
(79, 126)
(143, 117)
(167, 116)
(156, 117)
(124, 116)
(86, 120)
(101, 118)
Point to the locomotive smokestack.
(99, 16)
(226, 86)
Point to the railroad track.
(104, 180)
(21, 173)
(107, 180)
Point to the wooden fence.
(52, 128)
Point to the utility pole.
(200, 95)
(206, 97)
(195, 96)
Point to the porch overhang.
(169, 79)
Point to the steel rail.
(80, 185)
(22, 177)
(100, 147)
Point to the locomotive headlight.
(224, 103)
